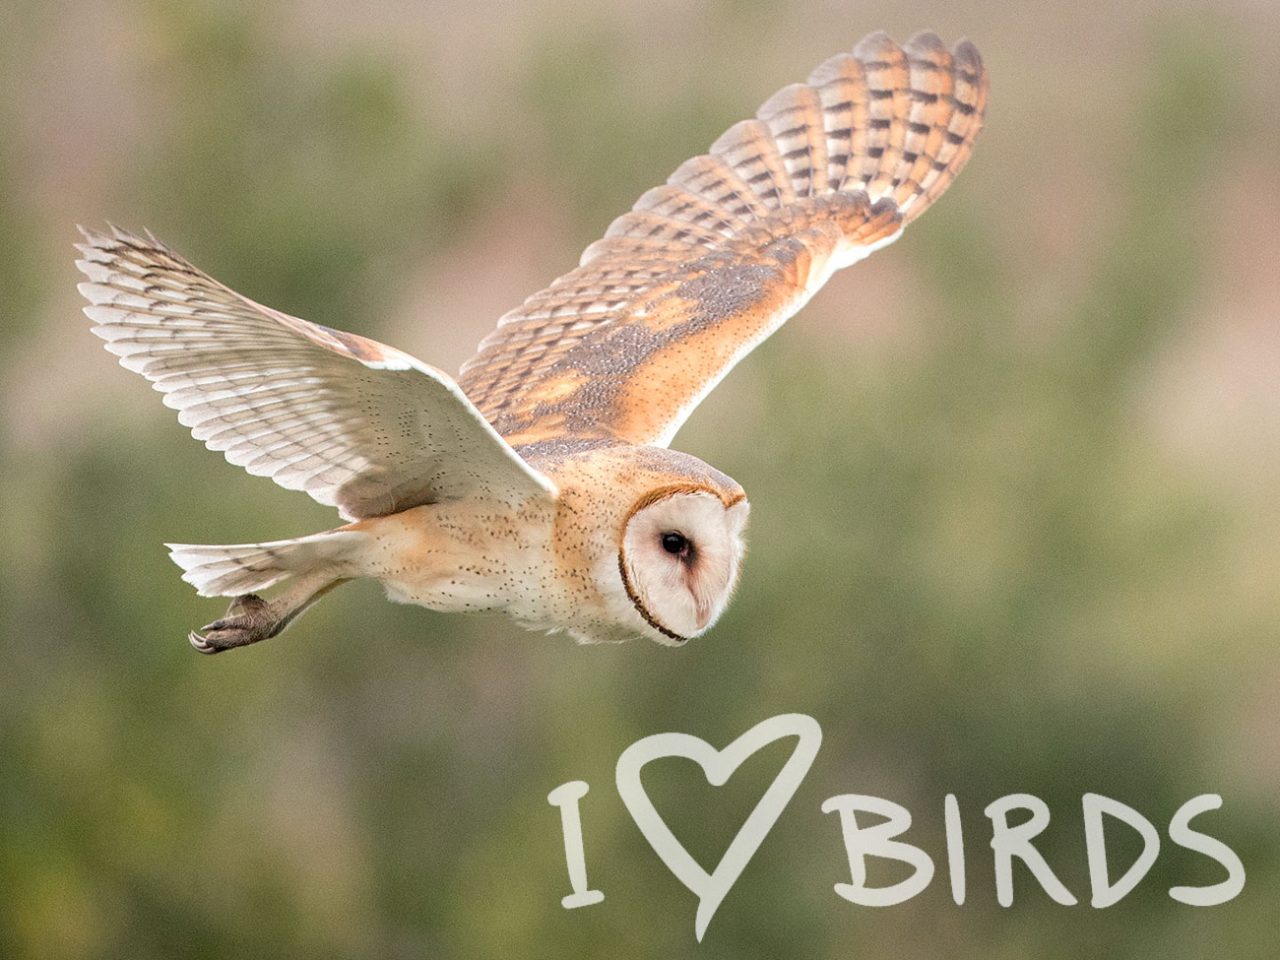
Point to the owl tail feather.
(235, 569)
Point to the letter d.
(1104, 892)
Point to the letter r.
(1008, 842)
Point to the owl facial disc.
(681, 552)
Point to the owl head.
(651, 540)
(680, 552)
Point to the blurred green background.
(1014, 487)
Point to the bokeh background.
(1014, 484)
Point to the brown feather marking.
(636, 378)
(968, 103)
(794, 117)
(708, 264)
(885, 66)
(715, 179)
(708, 219)
(928, 109)
(841, 86)
(748, 147)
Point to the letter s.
(1181, 833)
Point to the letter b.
(877, 841)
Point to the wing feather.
(794, 118)
(749, 149)
(356, 424)
(707, 265)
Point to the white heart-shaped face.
(718, 765)
(680, 558)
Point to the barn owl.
(539, 483)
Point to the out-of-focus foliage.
(993, 550)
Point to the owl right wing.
(356, 424)
(707, 265)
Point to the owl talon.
(200, 643)
(248, 620)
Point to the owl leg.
(250, 618)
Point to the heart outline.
(717, 765)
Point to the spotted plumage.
(539, 483)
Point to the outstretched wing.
(705, 267)
(357, 425)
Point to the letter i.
(566, 797)
(955, 847)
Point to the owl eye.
(676, 544)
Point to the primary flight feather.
(539, 483)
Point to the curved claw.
(248, 620)
(202, 644)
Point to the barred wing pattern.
(703, 268)
(356, 424)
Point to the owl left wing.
(708, 265)
(354, 423)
